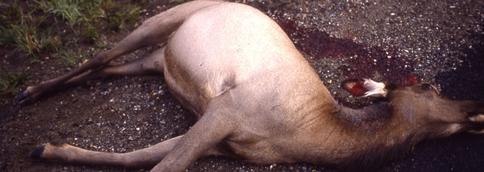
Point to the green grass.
(20, 29)
(69, 57)
(122, 17)
(58, 28)
(9, 81)
(61, 29)
(47, 26)
(27, 38)
(69, 10)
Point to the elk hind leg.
(154, 30)
(151, 64)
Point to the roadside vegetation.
(58, 29)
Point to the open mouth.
(365, 87)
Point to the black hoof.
(22, 98)
(37, 152)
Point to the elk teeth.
(375, 89)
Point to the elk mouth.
(365, 88)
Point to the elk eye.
(429, 87)
(426, 87)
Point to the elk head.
(422, 109)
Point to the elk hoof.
(23, 98)
(37, 152)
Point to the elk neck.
(355, 137)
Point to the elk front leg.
(212, 128)
(147, 157)
(140, 158)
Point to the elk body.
(256, 97)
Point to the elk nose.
(477, 118)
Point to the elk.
(257, 98)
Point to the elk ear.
(364, 87)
